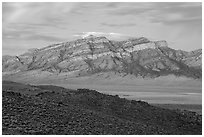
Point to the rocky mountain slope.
(46, 109)
(90, 55)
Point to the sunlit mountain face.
(95, 54)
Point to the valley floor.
(171, 98)
(163, 90)
(190, 107)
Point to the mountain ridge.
(92, 54)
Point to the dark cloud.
(112, 4)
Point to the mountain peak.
(94, 37)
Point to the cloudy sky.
(36, 25)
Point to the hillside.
(48, 109)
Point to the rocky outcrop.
(138, 56)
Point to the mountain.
(52, 110)
(92, 55)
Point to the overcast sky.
(36, 25)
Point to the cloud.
(44, 38)
(113, 4)
(184, 13)
(174, 19)
(34, 21)
(28, 35)
(166, 12)
(131, 8)
(110, 35)
(24, 12)
(118, 25)
(82, 8)
(39, 24)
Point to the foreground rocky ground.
(54, 110)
